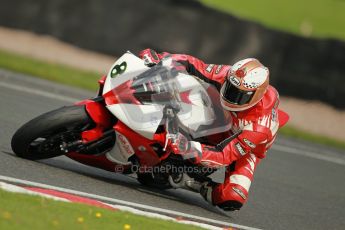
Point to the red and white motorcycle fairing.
(138, 96)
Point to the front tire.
(41, 137)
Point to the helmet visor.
(234, 95)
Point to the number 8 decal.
(118, 69)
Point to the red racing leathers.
(257, 127)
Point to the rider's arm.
(249, 141)
(210, 73)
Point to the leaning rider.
(253, 105)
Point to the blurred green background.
(317, 18)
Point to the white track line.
(16, 189)
(163, 217)
(126, 203)
(39, 92)
(319, 156)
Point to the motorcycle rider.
(253, 105)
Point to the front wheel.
(41, 137)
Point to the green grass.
(19, 211)
(325, 18)
(87, 80)
(298, 134)
(50, 71)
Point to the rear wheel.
(41, 137)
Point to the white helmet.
(245, 85)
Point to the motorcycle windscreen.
(144, 99)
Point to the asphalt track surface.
(298, 186)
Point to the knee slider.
(230, 205)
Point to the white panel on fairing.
(122, 150)
(196, 116)
(143, 119)
(135, 66)
(199, 111)
(199, 115)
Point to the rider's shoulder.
(270, 99)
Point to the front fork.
(96, 109)
(101, 131)
(102, 118)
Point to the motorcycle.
(128, 127)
